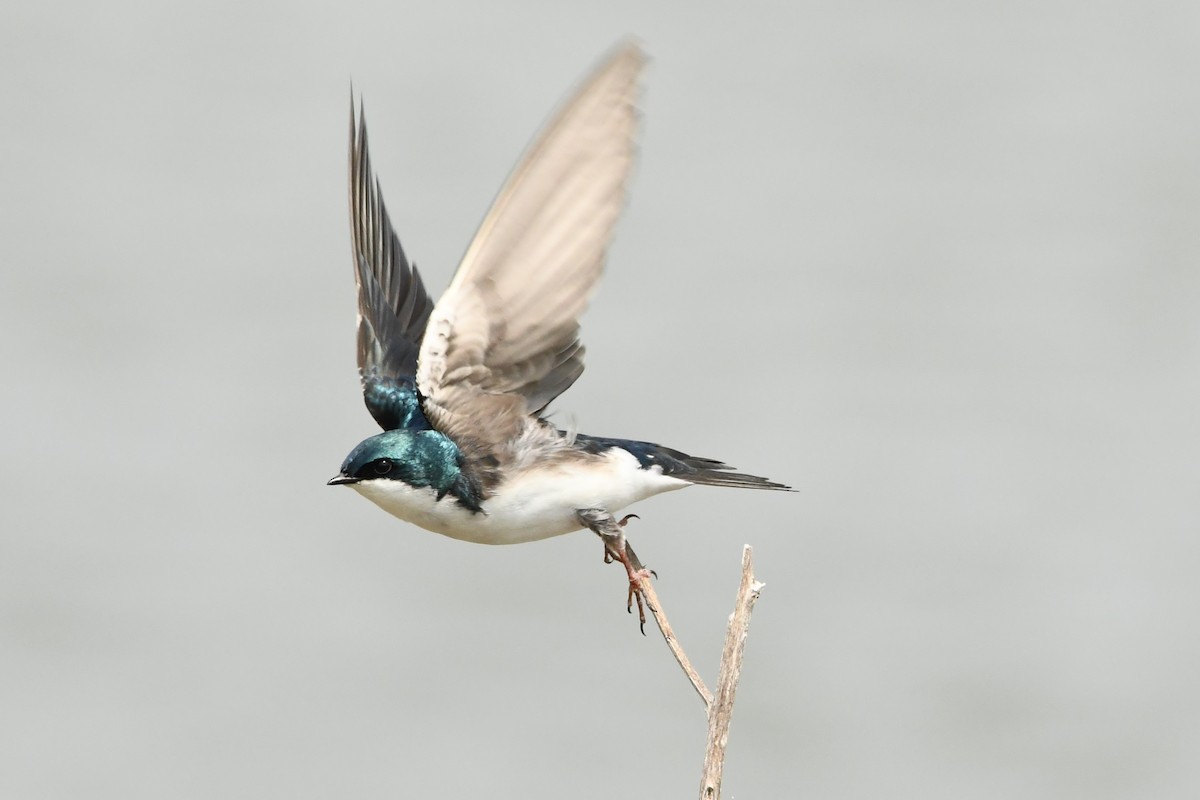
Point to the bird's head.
(416, 457)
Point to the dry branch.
(660, 618)
(720, 706)
(721, 710)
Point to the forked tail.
(677, 464)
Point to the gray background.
(933, 264)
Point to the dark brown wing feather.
(393, 306)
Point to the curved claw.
(636, 593)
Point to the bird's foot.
(616, 548)
(621, 523)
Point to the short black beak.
(338, 480)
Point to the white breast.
(536, 503)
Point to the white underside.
(537, 503)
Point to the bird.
(461, 387)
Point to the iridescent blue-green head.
(418, 458)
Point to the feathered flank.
(393, 306)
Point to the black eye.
(382, 467)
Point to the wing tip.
(628, 48)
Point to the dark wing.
(504, 339)
(393, 306)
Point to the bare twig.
(612, 533)
(720, 712)
(720, 706)
(660, 618)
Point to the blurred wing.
(393, 306)
(504, 339)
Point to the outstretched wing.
(393, 306)
(504, 339)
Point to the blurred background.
(935, 265)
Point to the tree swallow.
(460, 387)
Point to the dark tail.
(677, 464)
